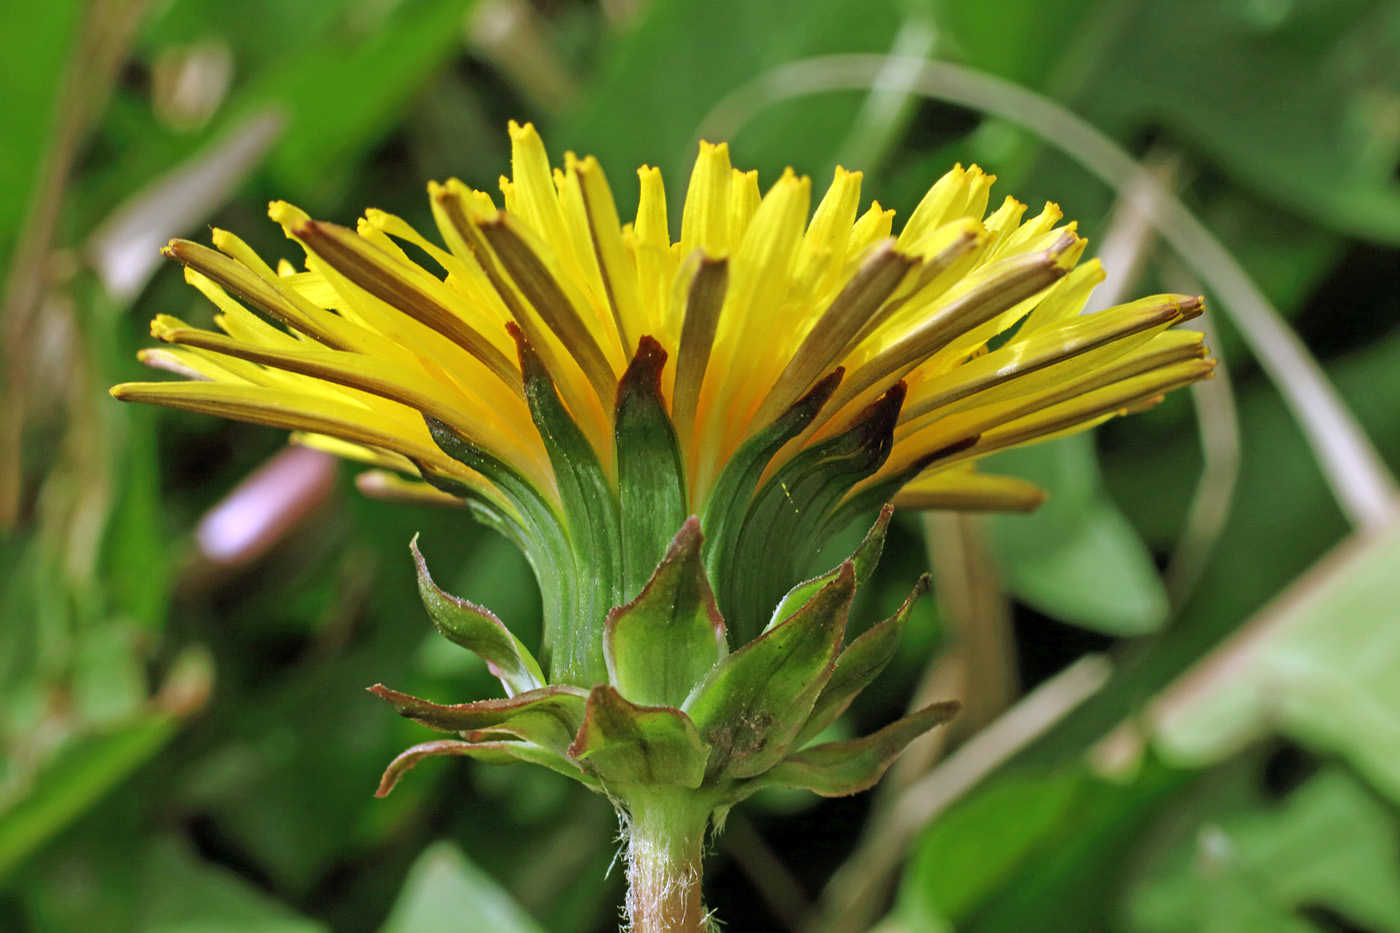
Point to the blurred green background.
(1181, 677)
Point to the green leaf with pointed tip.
(880, 494)
(753, 703)
(836, 769)
(781, 530)
(536, 527)
(864, 560)
(536, 516)
(482, 509)
(549, 717)
(660, 645)
(475, 628)
(623, 743)
(650, 477)
(503, 752)
(590, 509)
(729, 501)
(858, 665)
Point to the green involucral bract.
(677, 709)
(639, 694)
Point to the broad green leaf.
(1330, 845)
(752, 704)
(681, 59)
(1101, 578)
(660, 645)
(1282, 519)
(137, 553)
(1034, 845)
(964, 856)
(370, 81)
(1068, 470)
(259, 31)
(1076, 559)
(186, 895)
(109, 677)
(1024, 40)
(1333, 63)
(290, 59)
(1318, 664)
(624, 743)
(444, 891)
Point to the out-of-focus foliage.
(1329, 847)
(443, 891)
(184, 738)
(1076, 557)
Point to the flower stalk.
(665, 837)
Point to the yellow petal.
(874, 225)
(389, 487)
(464, 411)
(464, 218)
(651, 224)
(535, 196)
(356, 452)
(936, 207)
(1169, 361)
(547, 292)
(966, 490)
(1067, 298)
(984, 296)
(616, 269)
(700, 292)
(407, 289)
(1006, 218)
(759, 278)
(1048, 356)
(744, 199)
(823, 252)
(1037, 226)
(879, 275)
(705, 220)
(297, 412)
(184, 363)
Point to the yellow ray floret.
(971, 322)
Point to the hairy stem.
(665, 844)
